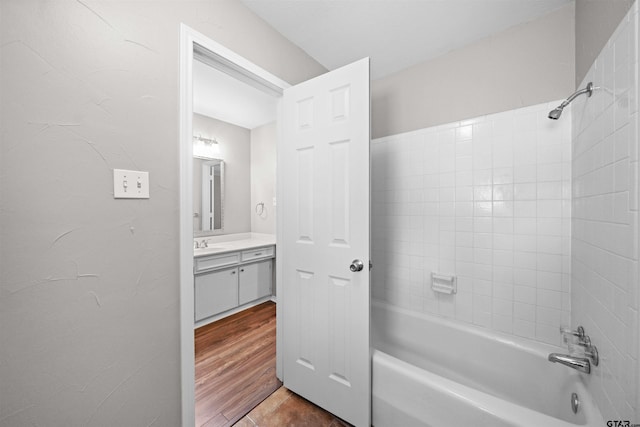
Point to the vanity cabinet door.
(216, 292)
(255, 281)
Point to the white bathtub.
(429, 371)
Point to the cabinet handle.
(258, 254)
(242, 270)
(233, 272)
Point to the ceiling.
(218, 95)
(396, 34)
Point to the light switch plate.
(130, 184)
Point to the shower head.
(557, 112)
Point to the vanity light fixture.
(205, 148)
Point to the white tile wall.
(605, 221)
(487, 200)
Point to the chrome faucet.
(201, 245)
(580, 364)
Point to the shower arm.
(588, 90)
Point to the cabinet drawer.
(258, 253)
(211, 262)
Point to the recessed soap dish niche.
(444, 284)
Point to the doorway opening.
(323, 130)
(223, 99)
(235, 135)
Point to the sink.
(209, 250)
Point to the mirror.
(208, 197)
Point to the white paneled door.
(325, 208)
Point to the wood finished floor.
(235, 365)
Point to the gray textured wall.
(89, 286)
(525, 65)
(263, 177)
(595, 22)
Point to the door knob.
(356, 265)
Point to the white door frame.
(194, 44)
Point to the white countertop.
(233, 243)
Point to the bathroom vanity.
(231, 273)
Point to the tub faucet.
(580, 364)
